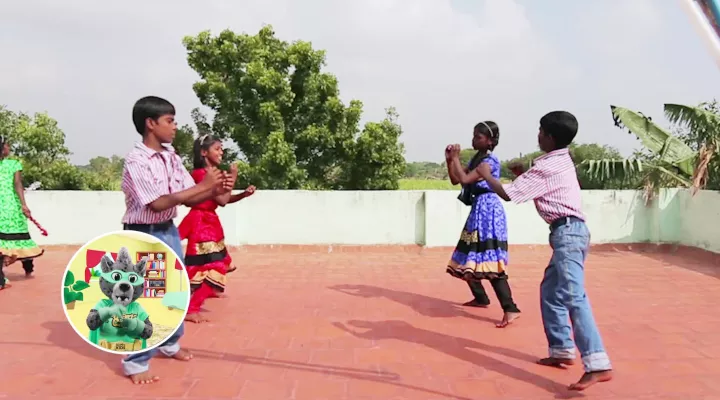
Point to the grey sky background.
(444, 64)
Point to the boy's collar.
(553, 153)
(150, 152)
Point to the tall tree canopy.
(40, 144)
(286, 117)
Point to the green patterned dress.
(15, 241)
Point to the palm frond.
(697, 119)
(669, 148)
(605, 169)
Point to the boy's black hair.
(202, 143)
(561, 126)
(491, 130)
(150, 107)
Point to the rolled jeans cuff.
(170, 350)
(138, 366)
(563, 354)
(135, 367)
(596, 362)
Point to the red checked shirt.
(552, 183)
(148, 175)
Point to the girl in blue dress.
(482, 251)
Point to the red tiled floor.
(385, 323)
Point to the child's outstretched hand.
(250, 190)
(448, 152)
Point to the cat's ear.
(140, 266)
(124, 256)
(106, 264)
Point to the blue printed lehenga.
(482, 251)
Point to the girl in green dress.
(15, 241)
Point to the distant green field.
(431, 184)
(426, 184)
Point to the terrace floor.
(384, 324)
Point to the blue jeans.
(140, 362)
(562, 294)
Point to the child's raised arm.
(144, 184)
(463, 175)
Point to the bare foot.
(556, 362)
(590, 378)
(196, 318)
(232, 268)
(508, 319)
(7, 285)
(29, 275)
(475, 303)
(144, 378)
(183, 355)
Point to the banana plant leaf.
(606, 169)
(669, 148)
(611, 168)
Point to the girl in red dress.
(206, 259)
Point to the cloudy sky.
(444, 64)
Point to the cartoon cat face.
(121, 280)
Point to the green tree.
(186, 135)
(103, 173)
(183, 145)
(286, 118)
(40, 144)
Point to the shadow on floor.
(388, 378)
(462, 349)
(62, 335)
(424, 305)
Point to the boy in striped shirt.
(155, 182)
(552, 184)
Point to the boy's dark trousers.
(502, 291)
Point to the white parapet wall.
(429, 218)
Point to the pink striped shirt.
(552, 183)
(148, 175)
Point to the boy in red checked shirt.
(552, 184)
(155, 182)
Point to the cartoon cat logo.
(119, 322)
